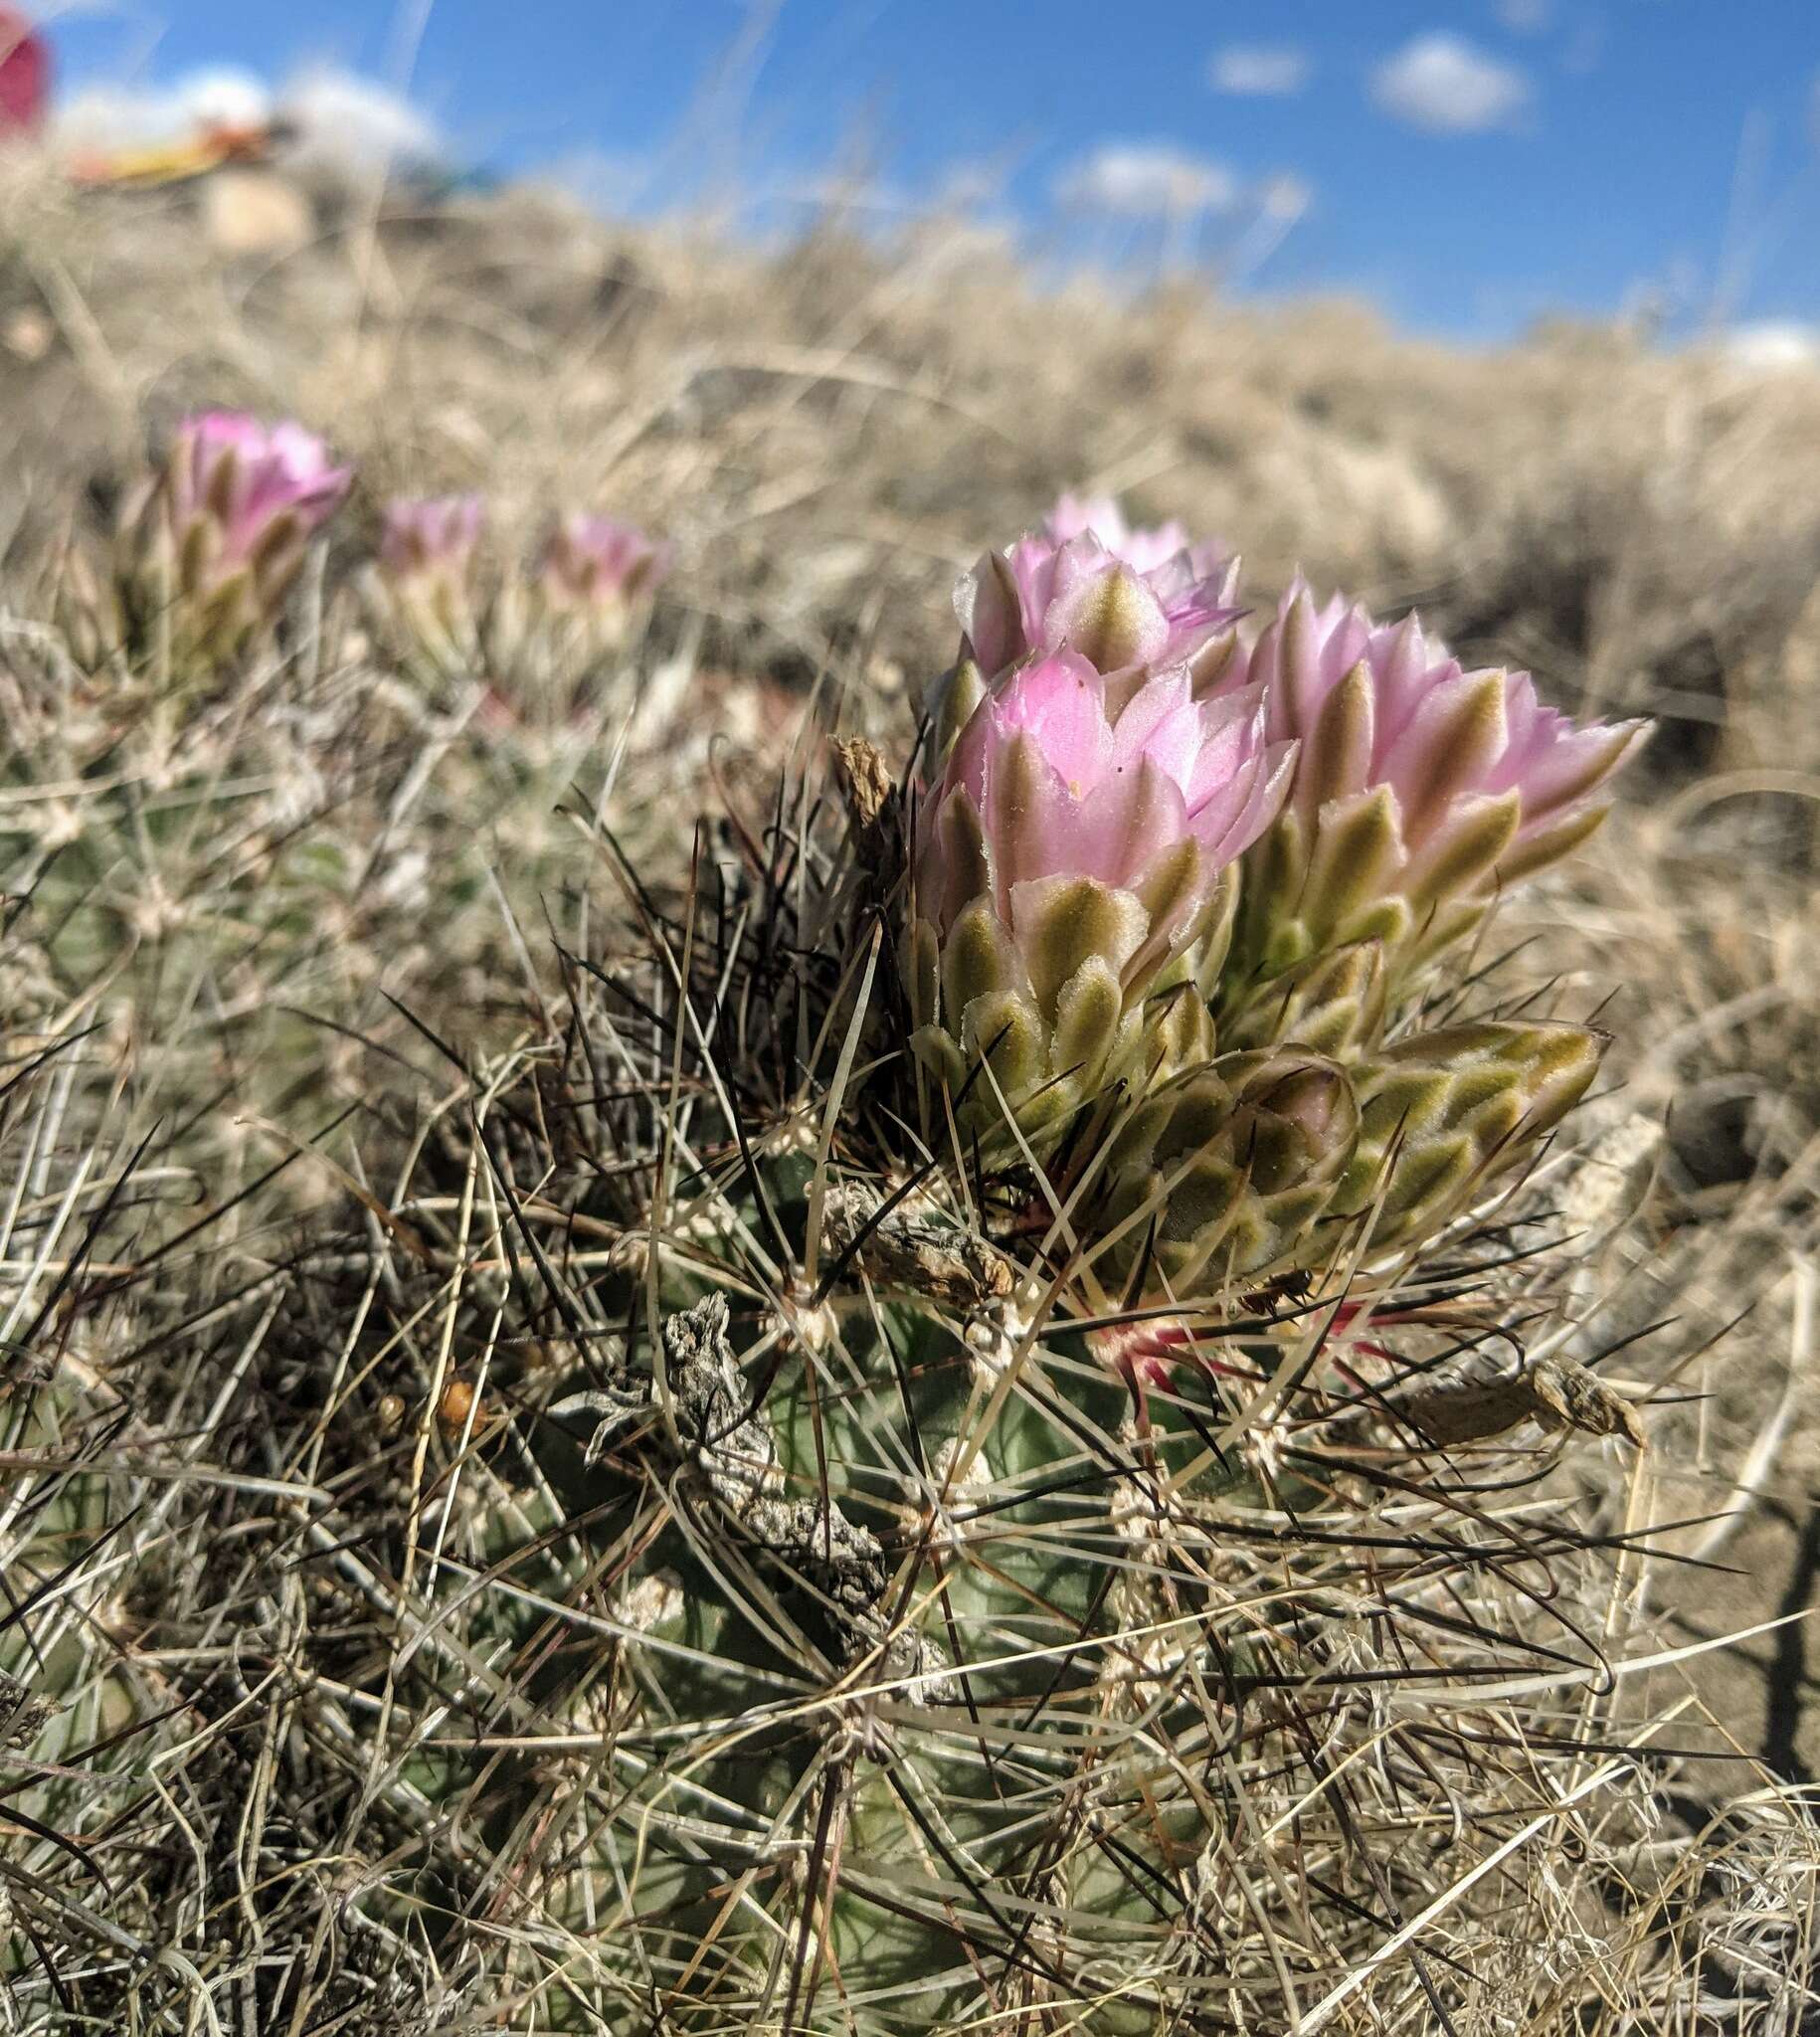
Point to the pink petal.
(1568, 764)
(1269, 788)
(1128, 821)
(1153, 724)
(1060, 701)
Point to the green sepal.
(1466, 852)
(1005, 1029)
(962, 692)
(1446, 1113)
(923, 973)
(1456, 748)
(1087, 1017)
(977, 960)
(1358, 853)
(1064, 923)
(194, 557)
(1549, 844)
(1332, 1002)
(1335, 757)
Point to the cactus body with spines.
(971, 1517)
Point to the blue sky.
(1468, 164)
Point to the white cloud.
(1284, 198)
(1259, 69)
(1525, 17)
(1445, 84)
(342, 122)
(1772, 346)
(356, 124)
(1146, 180)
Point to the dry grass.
(293, 949)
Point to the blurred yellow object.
(176, 162)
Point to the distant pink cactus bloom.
(1420, 787)
(422, 589)
(262, 490)
(1073, 853)
(1143, 551)
(210, 547)
(599, 566)
(432, 539)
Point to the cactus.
(234, 838)
(908, 1459)
(984, 1538)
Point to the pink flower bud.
(1080, 597)
(1143, 551)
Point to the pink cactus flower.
(422, 590)
(262, 490)
(1078, 858)
(597, 565)
(431, 540)
(1421, 787)
(1083, 598)
(210, 547)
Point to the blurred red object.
(25, 74)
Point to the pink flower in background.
(260, 492)
(432, 539)
(422, 589)
(211, 545)
(1143, 551)
(600, 565)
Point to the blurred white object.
(116, 116)
(356, 126)
(1772, 346)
